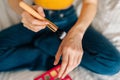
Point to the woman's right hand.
(31, 22)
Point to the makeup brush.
(61, 34)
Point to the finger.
(32, 21)
(28, 17)
(28, 27)
(70, 66)
(35, 22)
(79, 59)
(27, 24)
(38, 28)
(64, 75)
(40, 10)
(24, 21)
(63, 65)
(39, 22)
(33, 28)
(57, 57)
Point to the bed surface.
(77, 74)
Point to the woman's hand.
(32, 23)
(71, 52)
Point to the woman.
(33, 46)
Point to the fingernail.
(59, 75)
(39, 9)
(62, 77)
(43, 14)
(54, 63)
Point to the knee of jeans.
(109, 64)
(114, 68)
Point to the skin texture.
(31, 23)
(71, 47)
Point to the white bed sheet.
(77, 74)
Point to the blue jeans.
(21, 48)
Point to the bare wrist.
(80, 30)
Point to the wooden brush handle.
(34, 13)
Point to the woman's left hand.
(71, 52)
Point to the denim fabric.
(21, 48)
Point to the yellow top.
(54, 4)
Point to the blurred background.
(107, 21)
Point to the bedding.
(78, 74)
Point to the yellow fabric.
(54, 4)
